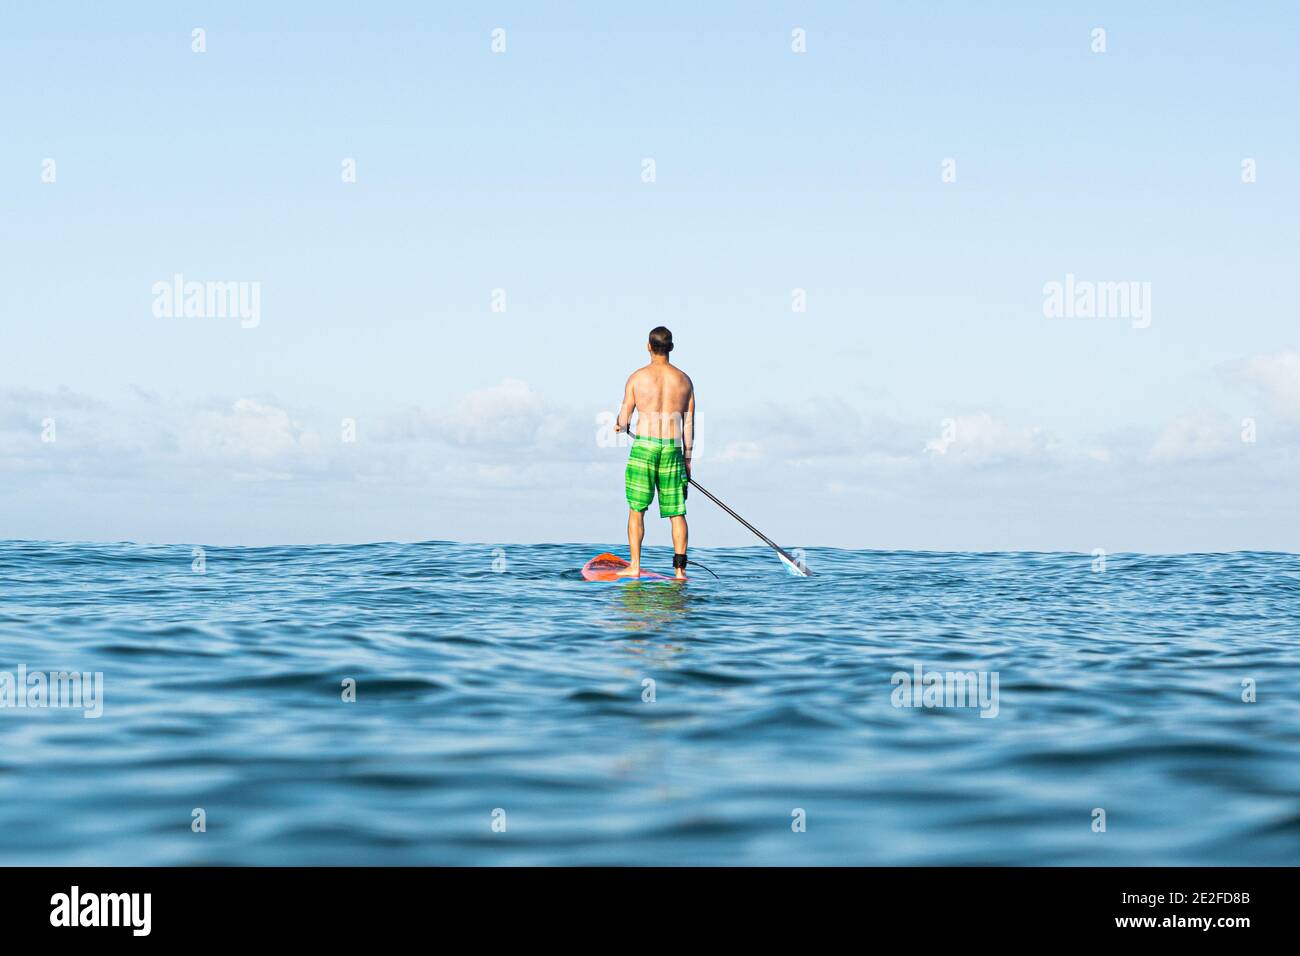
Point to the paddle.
(794, 567)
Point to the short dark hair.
(661, 340)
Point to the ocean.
(444, 703)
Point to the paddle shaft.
(764, 538)
(717, 501)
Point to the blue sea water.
(496, 686)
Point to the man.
(661, 453)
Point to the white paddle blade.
(796, 570)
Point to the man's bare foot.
(631, 571)
(679, 575)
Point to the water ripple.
(449, 703)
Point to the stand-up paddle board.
(605, 567)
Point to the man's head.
(661, 341)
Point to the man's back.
(662, 396)
(659, 461)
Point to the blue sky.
(775, 171)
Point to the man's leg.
(639, 481)
(679, 542)
(635, 535)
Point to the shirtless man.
(661, 454)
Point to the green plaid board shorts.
(656, 463)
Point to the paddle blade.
(795, 569)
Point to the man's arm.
(688, 431)
(624, 420)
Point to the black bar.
(950, 906)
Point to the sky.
(461, 221)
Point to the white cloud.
(142, 436)
(737, 451)
(1197, 437)
(981, 439)
(805, 431)
(25, 407)
(256, 468)
(503, 416)
(251, 431)
(1277, 377)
